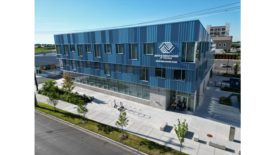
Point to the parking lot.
(224, 65)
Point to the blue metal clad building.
(159, 65)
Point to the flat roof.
(129, 26)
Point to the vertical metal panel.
(174, 32)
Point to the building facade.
(220, 36)
(157, 65)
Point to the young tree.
(236, 68)
(81, 109)
(49, 87)
(122, 122)
(68, 82)
(181, 129)
(52, 100)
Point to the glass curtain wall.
(140, 91)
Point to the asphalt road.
(55, 138)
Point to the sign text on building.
(166, 48)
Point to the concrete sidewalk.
(145, 121)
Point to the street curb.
(123, 146)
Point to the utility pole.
(36, 85)
(35, 80)
(227, 65)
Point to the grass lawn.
(133, 141)
(43, 49)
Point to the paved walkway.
(145, 121)
(212, 109)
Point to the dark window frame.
(97, 48)
(72, 48)
(186, 51)
(144, 73)
(80, 50)
(96, 65)
(118, 48)
(118, 68)
(107, 70)
(131, 51)
(145, 48)
(162, 72)
(105, 48)
(88, 48)
(180, 75)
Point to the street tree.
(49, 86)
(81, 109)
(181, 129)
(68, 84)
(122, 122)
(52, 100)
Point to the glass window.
(58, 49)
(144, 74)
(80, 50)
(96, 65)
(61, 63)
(88, 64)
(108, 48)
(118, 68)
(179, 74)
(81, 64)
(160, 72)
(188, 51)
(97, 50)
(88, 48)
(74, 66)
(119, 48)
(133, 54)
(199, 50)
(130, 69)
(72, 48)
(149, 48)
(106, 69)
(66, 49)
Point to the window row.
(117, 86)
(188, 51)
(144, 71)
(120, 49)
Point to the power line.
(215, 10)
(186, 14)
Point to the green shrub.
(49, 89)
(225, 101)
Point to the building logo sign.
(166, 49)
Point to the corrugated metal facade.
(176, 33)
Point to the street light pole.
(227, 65)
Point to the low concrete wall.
(109, 92)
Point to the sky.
(65, 16)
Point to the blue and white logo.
(166, 47)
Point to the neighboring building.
(47, 65)
(220, 36)
(157, 65)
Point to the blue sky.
(61, 16)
